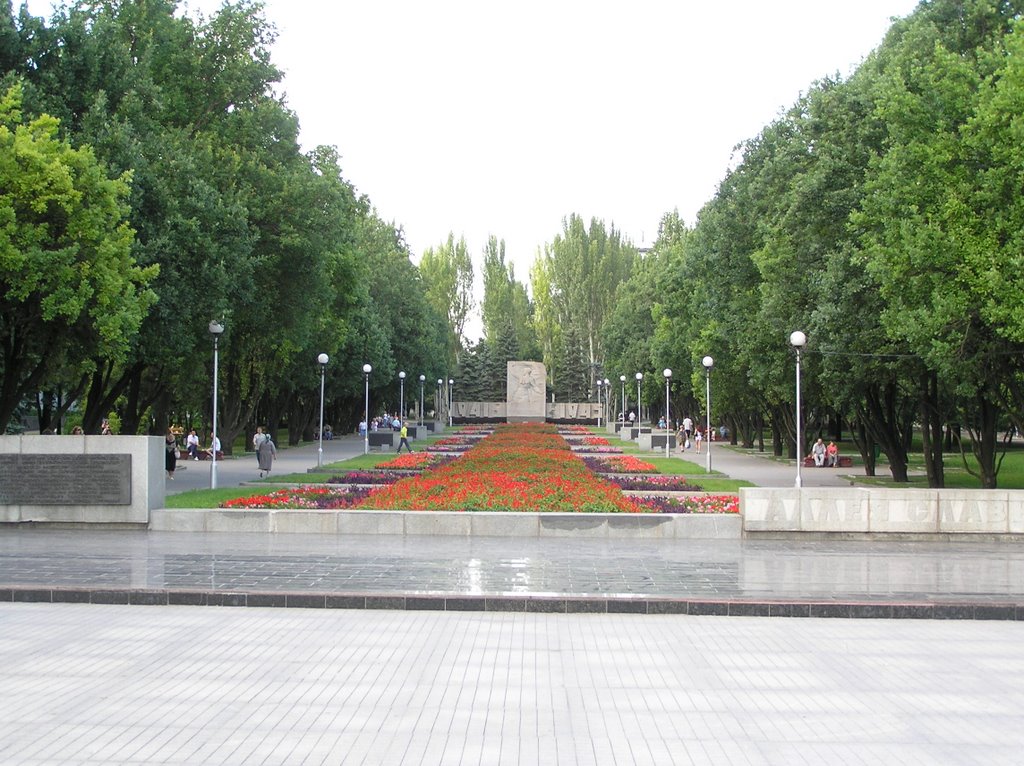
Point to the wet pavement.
(840, 578)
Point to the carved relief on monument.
(526, 388)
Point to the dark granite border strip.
(919, 610)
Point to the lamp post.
(639, 377)
(451, 401)
(622, 379)
(437, 401)
(367, 369)
(708, 363)
(798, 340)
(599, 384)
(607, 400)
(323, 359)
(401, 397)
(215, 328)
(423, 379)
(668, 423)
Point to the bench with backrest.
(845, 461)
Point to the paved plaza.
(90, 684)
(439, 650)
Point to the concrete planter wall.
(883, 511)
(660, 526)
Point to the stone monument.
(526, 387)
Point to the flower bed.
(518, 468)
(624, 464)
(456, 441)
(418, 460)
(583, 449)
(525, 467)
(575, 430)
(310, 498)
(698, 504)
(639, 483)
(368, 477)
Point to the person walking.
(257, 439)
(404, 433)
(698, 437)
(170, 453)
(265, 453)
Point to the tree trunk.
(931, 430)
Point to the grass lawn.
(210, 498)
(1010, 476)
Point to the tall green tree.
(583, 266)
(447, 274)
(69, 288)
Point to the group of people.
(687, 436)
(266, 450)
(379, 423)
(825, 454)
(172, 453)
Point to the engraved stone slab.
(526, 387)
(907, 510)
(770, 509)
(834, 510)
(43, 479)
(984, 511)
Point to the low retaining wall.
(658, 526)
(883, 511)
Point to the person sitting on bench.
(818, 453)
(832, 453)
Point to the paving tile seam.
(852, 608)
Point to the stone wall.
(882, 511)
(81, 479)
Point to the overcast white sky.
(480, 117)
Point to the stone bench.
(845, 461)
(202, 454)
(381, 439)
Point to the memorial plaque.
(41, 479)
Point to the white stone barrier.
(882, 511)
(657, 526)
(81, 479)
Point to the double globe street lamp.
(599, 384)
